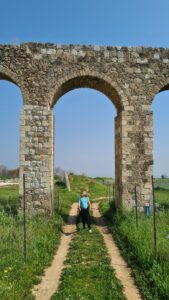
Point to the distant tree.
(3, 170)
(9, 173)
(13, 173)
(163, 176)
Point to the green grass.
(16, 276)
(10, 190)
(9, 199)
(162, 196)
(87, 274)
(136, 244)
(79, 183)
(162, 191)
(43, 234)
(161, 182)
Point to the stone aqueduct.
(129, 76)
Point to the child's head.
(84, 194)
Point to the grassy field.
(161, 182)
(93, 187)
(17, 276)
(9, 199)
(162, 196)
(137, 246)
(162, 191)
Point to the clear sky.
(84, 118)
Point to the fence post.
(24, 219)
(113, 193)
(136, 205)
(58, 201)
(106, 190)
(154, 221)
(109, 193)
(51, 200)
(119, 190)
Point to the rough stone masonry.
(129, 76)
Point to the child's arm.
(79, 205)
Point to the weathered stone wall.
(129, 76)
(36, 157)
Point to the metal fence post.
(109, 193)
(24, 219)
(106, 190)
(136, 203)
(113, 193)
(119, 190)
(154, 221)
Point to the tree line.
(8, 173)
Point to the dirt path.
(123, 273)
(50, 280)
(2, 184)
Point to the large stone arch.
(158, 87)
(129, 76)
(87, 79)
(9, 75)
(109, 88)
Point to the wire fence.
(110, 190)
(11, 207)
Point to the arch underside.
(6, 77)
(165, 88)
(89, 82)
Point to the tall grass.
(137, 245)
(43, 234)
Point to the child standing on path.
(84, 206)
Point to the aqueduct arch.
(129, 76)
(101, 83)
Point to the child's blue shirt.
(84, 202)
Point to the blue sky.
(84, 118)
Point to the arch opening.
(11, 106)
(103, 85)
(160, 107)
(85, 133)
(88, 81)
(7, 78)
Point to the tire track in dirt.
(123, 273)
(51, 279)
